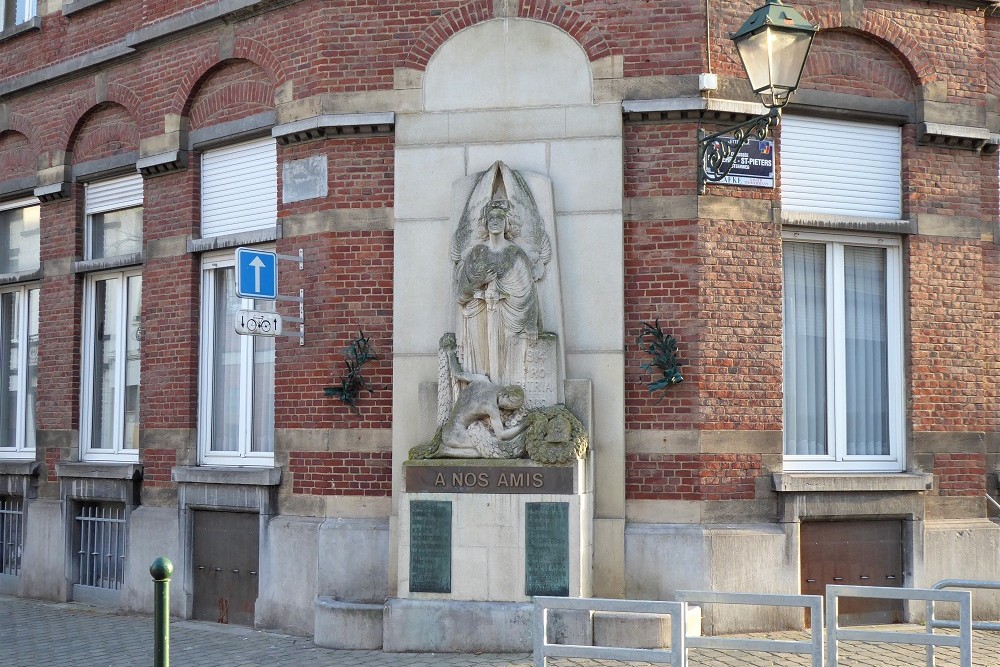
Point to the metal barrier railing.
(932, 622)
(835, 634)
(814, 603)
(675, 655)
(11, 534)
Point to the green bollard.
(161, 569)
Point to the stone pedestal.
(477, 540)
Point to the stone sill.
(34, 23)
(806, 482)
(233, 475)
(98, 470)
(27, 467)
(234, 240)
(75, 6)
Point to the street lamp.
(773, 44)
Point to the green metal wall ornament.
(662, 348)
(356, 355)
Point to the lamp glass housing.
(773, 45)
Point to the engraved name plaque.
(546, 549)
(430, 546)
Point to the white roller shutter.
(841, 167)
(239, 188)
(114, 194)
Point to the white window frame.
(20, 449)
(244, 455)
(87, 400)
(838, 460)
(116, 194)
(24, 203)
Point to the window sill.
(98, 470)
(227, 475)
(116, 262)
(805, 482)
(75, 6)
(34, 23)
(20, 276)
(223, 242)
(27, 467)
(847, 222)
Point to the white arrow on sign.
(257, 265)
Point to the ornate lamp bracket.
(714, 151)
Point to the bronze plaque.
(546, 549)
(430, 546)
(507, 478)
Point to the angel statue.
(499, 255)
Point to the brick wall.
(156, 466)
(341, 473)
(691, 476)
(960, 474)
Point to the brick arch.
(877, 26)
(104, 130)
(568, 19)
(76, 115)
(210, 60)
(19, 123)
(18, 158)
(237, 88)
(850, 62)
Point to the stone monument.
(498, 506)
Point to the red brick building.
(835, 329)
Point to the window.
(18, 329)
(18, 371)
(239, 188)
(99, 545)
(19, 236)
(114, 217)
(16, 12)
(109, 429)
(112, 334)
(843, 358)
(837, 167)
(236, 424)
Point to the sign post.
(257, 278)
(256, 274)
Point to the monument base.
(495, 530)
(457, 626)
(348, 625)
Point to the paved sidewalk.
(43, 634)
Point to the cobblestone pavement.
(42, 634)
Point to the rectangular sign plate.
(753, 165)
(256, 274)
(430, 546)
(258, 323)
(511, 478)
(546, 549)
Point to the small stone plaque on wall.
(546, 549)
(430, 546)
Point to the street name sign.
(256, 274)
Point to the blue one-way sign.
(256, 274)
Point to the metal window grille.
(101, 545)
(11, 534)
